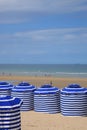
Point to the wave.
(40, 72)
(56, 74)
(71, 73)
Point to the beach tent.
(73, 100)
(47, 99)
(10, 113)
(24, 91)
(5, 88)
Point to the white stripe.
(13, 98)
(9, 122)
(10, 118)
(11, 110)
(9, 126)
(9, 114)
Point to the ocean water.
(58, 70)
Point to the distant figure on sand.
(51, 82)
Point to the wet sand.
(31, 120)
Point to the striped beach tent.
(10, 113)
(73, 100)
(47, 99)
(24, 91)
(5, 88)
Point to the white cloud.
(15, 11)
(54, 35)
(57, 6)
(11, 21)
(55, 43)
(69, 36)
(50, 36)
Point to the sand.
(40, 121)
(38, 81)
(31, 120)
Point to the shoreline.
(45, 74)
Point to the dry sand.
(39, 121)
(38, 81)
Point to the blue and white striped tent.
(24, 91)
(47, 99)
(74, 100)
(5, 88)
(10, 113)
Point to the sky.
(43, 31)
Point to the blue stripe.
(10, 123)
(9, 108)
(18, 126)
(10, 116)
(9, 112)
(9, 120)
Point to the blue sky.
(43, 31)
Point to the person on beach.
(50, 82)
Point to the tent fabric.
(5, 88)
(73, 89)
(24, 91)
(10, 113)
(73, 100)
(47, 99)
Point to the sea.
(57, 70)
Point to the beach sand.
(31, 120)
(40, 121)
(38, 81)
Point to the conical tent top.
(46, 89)
(23, 86)
(74, 88)
(5, 85)
(8, 102)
